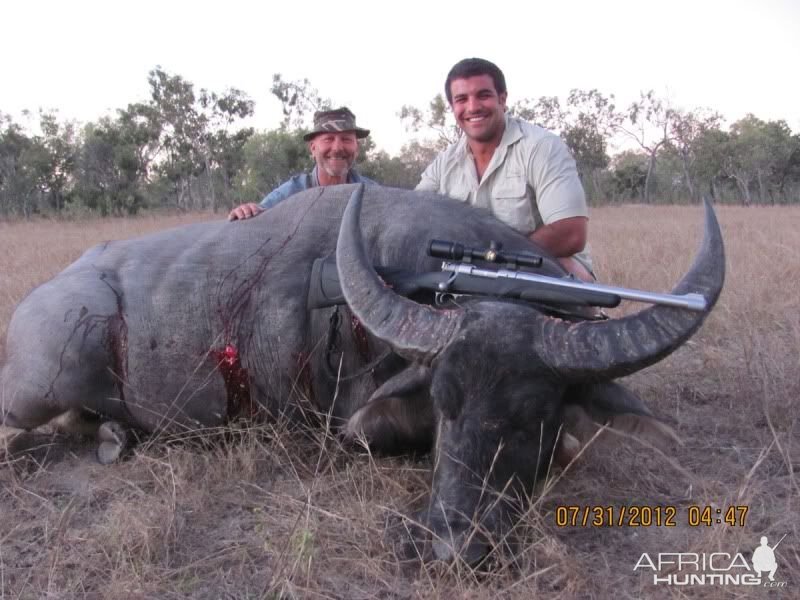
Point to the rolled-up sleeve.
(559, 192)
(279, 194)
(430, 180)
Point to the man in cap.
(333, 142)
(523, 174)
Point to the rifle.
(460, 276)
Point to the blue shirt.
(304, 181)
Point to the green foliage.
(389, 170)
(436, 119)
(757, 152)
(186, 147)
(269, 159)
(630, 175)
(34, 170)
(17, 174)
(299, 101)
(109, 169)
(687, 132)
(585, 123)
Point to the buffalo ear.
(411, 380)
(604, 400)
(613, 404)
(398, 418)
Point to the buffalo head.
(498, 375)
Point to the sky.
(87, 58)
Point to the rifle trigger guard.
(443, 298)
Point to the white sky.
(87, 58)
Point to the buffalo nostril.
(471, 549)
(475, 552)
(443, 551)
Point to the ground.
(268, 512)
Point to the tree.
(269, 159)
(110, 170)
(194, 131)
(755, 151)
(585, 123)
(436, 119)
(35, 171)
(781, 151)
(141, 127)
(709, 147)
(55, 171)
(18, 182)
(173, 99)
(650, 121)
(228, 151)
(215, 144)
(685, 129)
(389, 170)
(630, 174)
(545, 112)
(787, 172)
(299, 101)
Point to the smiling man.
(333, 142)
(524, 174)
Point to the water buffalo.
(197, 325)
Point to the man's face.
(478, 108)
(334, 153)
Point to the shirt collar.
(511, 133)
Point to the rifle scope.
(493, 254)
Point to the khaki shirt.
(531, 179)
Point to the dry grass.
(270, 513)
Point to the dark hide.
(195, 326)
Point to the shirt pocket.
(458, 189)
(512, 204)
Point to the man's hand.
(244, 211)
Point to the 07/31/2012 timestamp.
(649, 516)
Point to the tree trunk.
(596, 184)
(744, 188)
(650, 168)
(210, 185)
(760, 187)
(714, 192)
(180, 192)
(688, 178)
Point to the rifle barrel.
(691, 301)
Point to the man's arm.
(429, 182)
(564, 237)
(559, 197)
(562, 205)
(251, 209)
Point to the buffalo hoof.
(113, 441)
